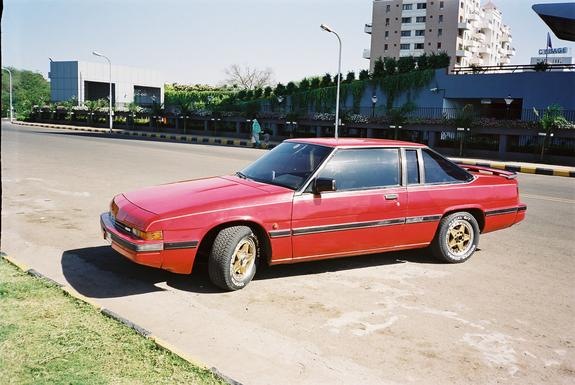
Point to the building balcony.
(367, 53)
(483, 50)
(462, 53)
(506, 38)
(465, 26)
(367, 29)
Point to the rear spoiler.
(479, 169)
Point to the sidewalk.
(523, 167)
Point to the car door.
(365, 213)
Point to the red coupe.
(310, 199)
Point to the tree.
(378, 68)
(248, 78)
(314, 83)
(304, 84)
(280, 90)
(405, 64)
(350, 77)
(390, 65)
(398, 116)
(28, 89)
(364, 75)
(326, 81)
(291, 88)
(552, 120)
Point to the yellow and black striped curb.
(523, 169)
(109, 313)
(195, 139)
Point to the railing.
(512, 68)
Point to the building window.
(420, 32)
(440, 5)
(405, 33)
(385, 47)
(406, 20)
(407, 7)
(418, 45)
(420, 19)
(387, 8)
(421, 5)
(386, 34)
(441, 18)
(439, 32)
(387, 21)
(404, 46)
(439, 45)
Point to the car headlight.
(148, 235)
(114, 209)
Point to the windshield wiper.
(241, 175)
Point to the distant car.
(310, 199)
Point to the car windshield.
(289, 165)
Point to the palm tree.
(552, 120)
(185, 109)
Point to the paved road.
(505, 316)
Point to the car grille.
(123, 228)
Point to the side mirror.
(320, 185)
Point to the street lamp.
(110, 64)
(328, 29)
(373, 102)
(11, 107)
(280, 100)
(508, 101)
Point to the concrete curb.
(194, 139)
(522, 169)
(107, 312)
(223, 141)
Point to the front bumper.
(140, 251)
(177, 257)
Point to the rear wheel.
(232, 262)
(457, 237)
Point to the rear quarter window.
(440, 170)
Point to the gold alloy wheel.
(243, 258)
(459, 237)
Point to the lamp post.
(328, 29)
(11, 107)
(280, 100)
(110, 65)
(373, 102)
(508, 101)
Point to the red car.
(310, 199)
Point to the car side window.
(412, 167)
(355, 169)
(440, 170)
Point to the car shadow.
(101, 272)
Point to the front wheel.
(457, 238)
(232, 262)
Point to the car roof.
(356, 142)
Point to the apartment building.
(470, 33)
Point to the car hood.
(199, 195)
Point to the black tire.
(233, 258)
(457, 238)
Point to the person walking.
(256, 130)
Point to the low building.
(91, 81)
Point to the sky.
(194, 41)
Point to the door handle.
(390, 197)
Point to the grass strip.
(47, 337)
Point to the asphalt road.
(505, 316)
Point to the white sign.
(553, 51)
